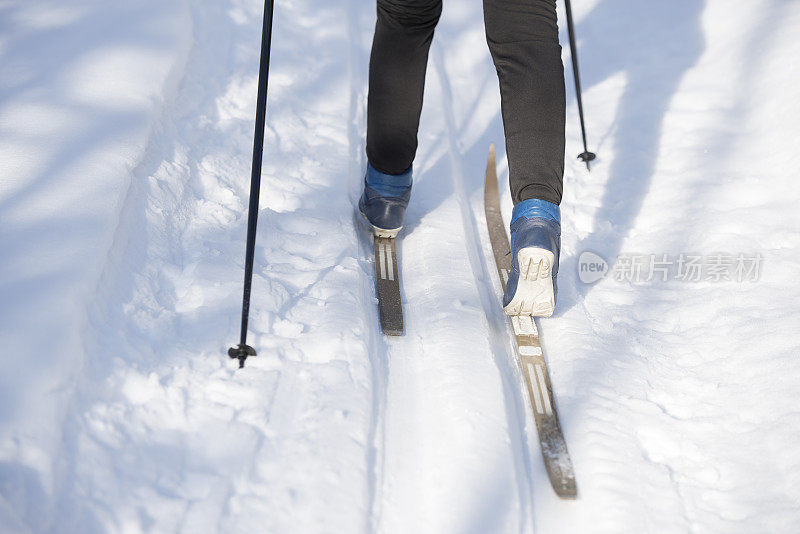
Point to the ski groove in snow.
(498, 334)
(376, 344)
(125, 138)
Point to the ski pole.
(585, 156)
(243, 350)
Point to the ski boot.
(384, 201)
(535, 243)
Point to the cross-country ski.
(387, 282)
(383, 205)
(256, 274)
(529, 352)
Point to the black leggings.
(523, 41)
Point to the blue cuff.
(388, 185)
(534, 207)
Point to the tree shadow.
(653, 55)
(58, 191)
(668, 44)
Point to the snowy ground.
(125, 139)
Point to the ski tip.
(491, 165)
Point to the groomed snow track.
(122, 227)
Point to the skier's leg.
(403, 35)
(523, 40)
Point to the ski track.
(447, 433)
(498, 331)
(411, 443)
(675, 397)
(357, 65)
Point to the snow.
(125, 145)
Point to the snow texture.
(125, 145)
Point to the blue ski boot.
(535, 244)
(384, 201)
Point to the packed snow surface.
(125, 145)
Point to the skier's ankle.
(534, 207)
(389, 185)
